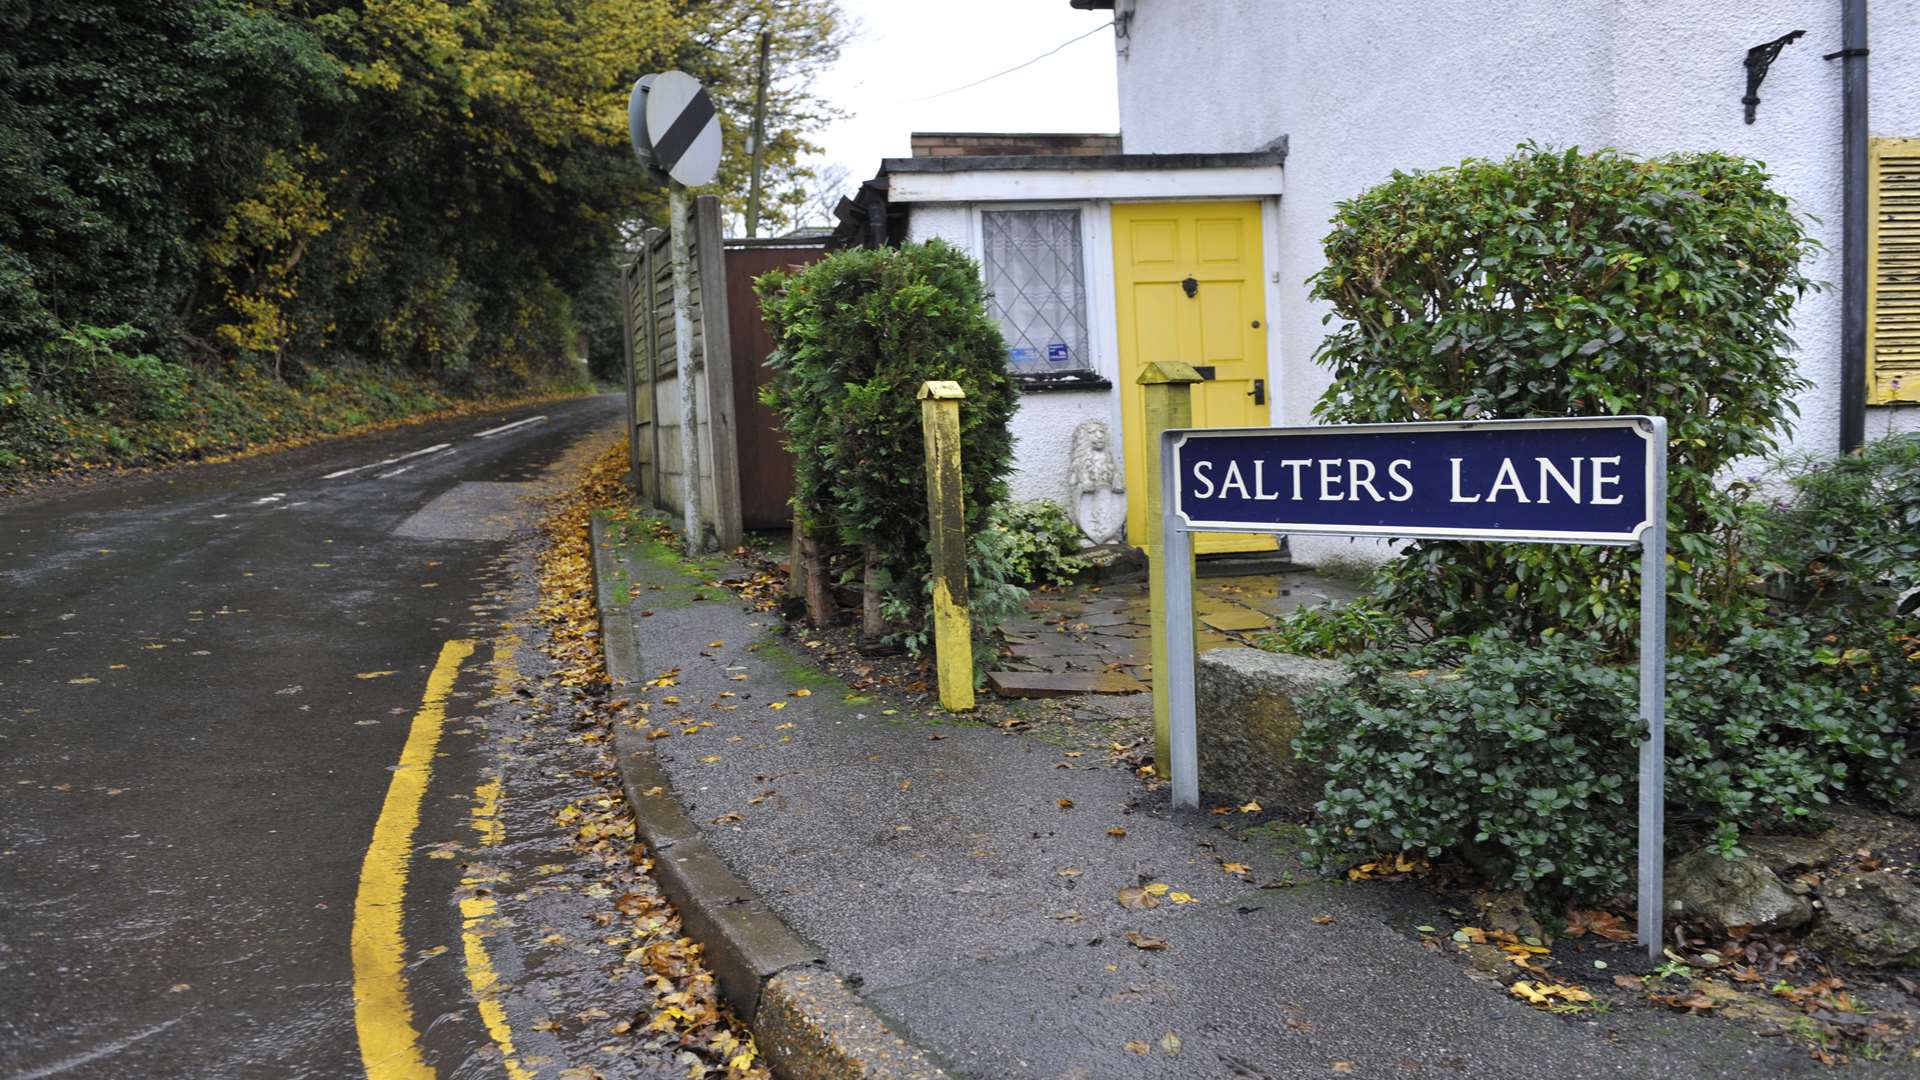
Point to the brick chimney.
(995, 144)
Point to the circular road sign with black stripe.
(684, 128)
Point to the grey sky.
(909, 49)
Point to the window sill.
(1079, 380)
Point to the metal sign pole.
(1176, 570)
(683, 363)
(675, 130)
(1653, 703)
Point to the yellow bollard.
(1166, 391)
(952, 625)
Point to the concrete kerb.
(808, 1023)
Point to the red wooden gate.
(766, 469)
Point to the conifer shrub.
(856, 334)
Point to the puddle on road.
(474, 510)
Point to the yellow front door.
(1188, 279)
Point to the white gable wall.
(1361, 89)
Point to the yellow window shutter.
(1893, 271)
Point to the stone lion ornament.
(1097, 487)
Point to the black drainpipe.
(1853, 335)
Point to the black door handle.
(1259, 392)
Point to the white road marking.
(91, 1056)
(275, 497)
(390, 461)
(508, 427)
(394, 472)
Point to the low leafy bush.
(106, 368)
(1842, 552)
(1036, 541)
(994, 596)
(1520, 756)
(1844, 543)
(1328, 630)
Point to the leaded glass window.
(1037, 281)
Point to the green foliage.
(1845, 543)
(994, 596)
(856, 334)
(1569, 284)
(1842, 552)
(96, 399)
(439, 189)
(1519, 757)
(125, 129)
(1327, 630)
(1039, 542)
(1492, 713)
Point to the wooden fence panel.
(654, 407)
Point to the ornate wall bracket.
(1759, 59)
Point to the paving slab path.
(965, 881)
(1083, 630)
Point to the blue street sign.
(1057, 352)
(1023, 354)
(1585, 480)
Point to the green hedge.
(1563, 284)
(856, 334)
(1573, 284)
(1520, 757)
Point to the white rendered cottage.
(1191, 236)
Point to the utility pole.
(759, 135)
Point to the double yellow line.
(383, 1012)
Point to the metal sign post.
(676, 132)
(1585, 480)
(682, 267)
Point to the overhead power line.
(1011, 70)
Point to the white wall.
(1043, 426)
(1361, 89)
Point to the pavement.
(965, 884)
(208, 679)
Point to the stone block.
(1704, 889)
(1871, 919)
(1021, 684)
(1247, 712)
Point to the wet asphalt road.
(207, 677)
